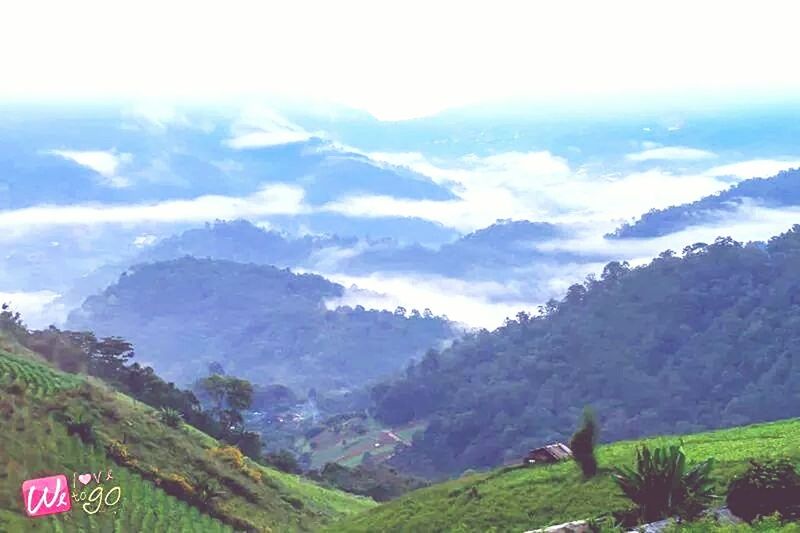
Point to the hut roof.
(553, 452)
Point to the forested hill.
(267, 324)
(705, 340)
(243, 242)
(780, 190)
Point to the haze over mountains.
(96, 188)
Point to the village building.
(552, 453)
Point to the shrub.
(252, 473)
(170, 417)
(230, 455)
(249, 443)
(119, 453)
(295, 502)
(17, 387)
(663, 484)
(764, 489)
(283, 460)
(583, 443)
(82, 429)
(178, 486)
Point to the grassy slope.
(519, 499)
(34, 441)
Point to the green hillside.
(171, 479)
(690, 342)
(520, 499)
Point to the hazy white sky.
(394, 59)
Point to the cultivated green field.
(520, 499)
(151, 462)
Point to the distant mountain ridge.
(506, 244)
(264, 323)
(780, 190)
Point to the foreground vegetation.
(175, 479)
(520, 499)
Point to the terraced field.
(39, 380)
(37, 406)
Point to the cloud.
(755, 168)
(261, 128)
(272, 199)
(542, 186)
(106, 163)
(749, 222)
(145, 240)
(529, 185)
(39, 309)
(474, 303)
(671, 153)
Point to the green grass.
(34, 441)
(520, 499)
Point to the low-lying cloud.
(671, 153)
(262, 128)
(749, 222)
(273, 199)
(542, 186)
(106, 163)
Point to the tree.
(583, 443)
(238, 393)
(216, 387)
(230, 397)
(11, 321)
(108, 356)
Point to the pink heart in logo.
(85, 478)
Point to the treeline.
(705, 339)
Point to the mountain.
(514, 499)
(780, 190)
(243, 242)
(706, 340)
(505, 245)
(490, 253)
(166, 478)
(267, 324)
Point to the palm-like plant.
(663, 483)
(171, 417)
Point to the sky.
(400, 61)
(396, 60)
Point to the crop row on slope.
(127, 436)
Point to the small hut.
(552, 453)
